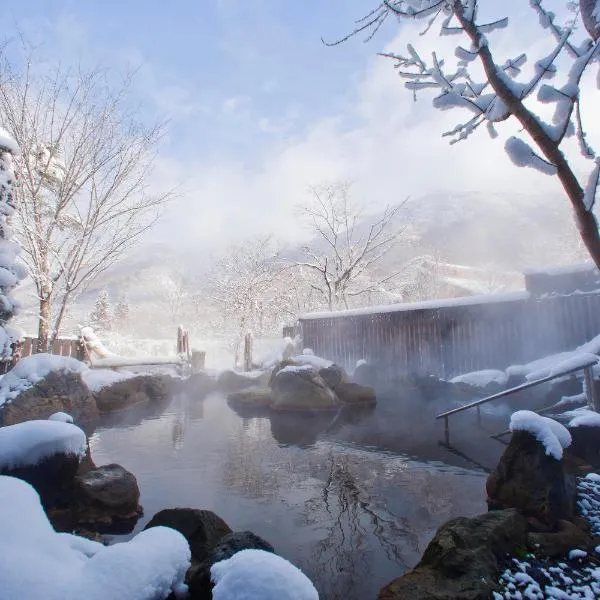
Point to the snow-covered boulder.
(260, 575)
(46, 454)
(300, 388)
(364, 373)
(134, 390)
(232, 381)
(41, 385)
(107, 498)
(199, 580)
(530, 475)
(202, 529)
(37, 563)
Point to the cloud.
(387, 144)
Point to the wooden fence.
(454, 338)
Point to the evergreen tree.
(101, 315)
(122, 312)
(10, 270)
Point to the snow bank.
(295, 369)
(260, 575)
(426, 304)
(483, 378)
(566, 362)
(314, 361)
(96, 379)
(28, 371)
(38, 564)
(30, 442)
(551, 434)
(583, 417)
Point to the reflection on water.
(351, 516)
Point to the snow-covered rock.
(482, 379)
(32, 369)
(61, 416)
(30, 442)
(260, 575)
(38, 564)
(550, 433)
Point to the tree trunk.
(44, 324)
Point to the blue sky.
(231, 75)
(259, 108)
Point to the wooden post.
(446, 431)
(479, 416)
(248, 352)
(590, 389)
(180, 340)
(198, 360)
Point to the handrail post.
(446, 431)
(479, 416)
(589, 388)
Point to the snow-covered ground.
(577, 577)
(36, 563)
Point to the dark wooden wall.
(450, 340)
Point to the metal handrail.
(586, 367)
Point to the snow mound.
(30, 442)
(260, 575)
(295, 369)
(39, 564)
(567, 362)
(314, 361)
(61, 416)
(483, 378)
(584, 417)
(96, 379)
(28, 371)
(551, 434)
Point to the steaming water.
(350, 514)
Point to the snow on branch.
(523, 155)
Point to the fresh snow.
(61, 416)
(577, 553)
(314, 361)
(483, 378)
(28, 371)
(36, 563)
(551, 434)
(260, 575)
(96, 379)
(295, 369)
(572, 361)
(583, 417)
(427, 304)
(30, 442)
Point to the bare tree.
(247, 291)
(84, 196)
(346, 248)
(502, 93)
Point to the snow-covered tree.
(122, 312)
(10, 271)
(500, 88)
(83, 193)
(247, 290)
(101, 317)
(347, 246)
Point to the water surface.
(330, 496)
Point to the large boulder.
(143, 388)
(365, 373)
(203, 529)
(302, 389)
(52, 478)
(107, 498)
(251, 399)
(199, 581)
(556, 544)
(232, 381)
(586, 444)
(59, 391)
(354, 394)
(463, 561)
(334, 375)
(536, 484)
